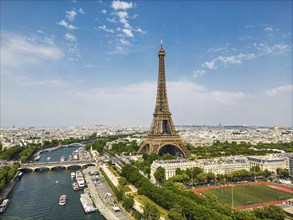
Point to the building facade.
(270, 162)
(224, 165)
(170, 166)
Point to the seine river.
(36, 194)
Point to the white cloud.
(70, 37)
(73, 51)
(264, 48)
(112, 20)
(40, 31)
(280, 89)
(71, 15)
(280, 47)
(123, 15)
(119, 50)
(197, 73)
(121, 5)
(227, 60)
(29, 81)
(140, 30)
(20, 50)
(249, 26)
(119, 15)
(128, 32)
(268, 29)
(104, 27)
(66, 25)
(81, 11)
(225, 49)
(189, 103)
(104, 11)
(125, 42)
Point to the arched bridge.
(76, 144)
(56, 165)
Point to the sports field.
(247, 195)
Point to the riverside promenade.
(96, 194)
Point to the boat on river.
(72, 175)
(62, 200)
(87, 203)
(37, 158)
(19, 174)
(78, 175)
(81, 183)
(80, 179)
(75, 186)
(4, 205)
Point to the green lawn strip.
(126, 189)
(142, 199)
(247, 195)
(113, 171)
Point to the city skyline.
(95, 62)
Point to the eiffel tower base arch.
(163, 145)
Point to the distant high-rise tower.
(162, 137)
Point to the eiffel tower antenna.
(162, 137)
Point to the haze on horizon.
(69, 63)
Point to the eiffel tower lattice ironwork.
(162, 137)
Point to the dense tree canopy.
(11, 153)
(160, 175)
(219, 149)
(150, 212)
(7, 173)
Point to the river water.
(36, 194)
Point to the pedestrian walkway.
(97, 193)
(111, 176)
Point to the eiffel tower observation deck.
(162, 137)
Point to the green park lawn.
(247, 195)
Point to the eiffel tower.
(162, 137)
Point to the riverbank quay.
(100, 195)
(9, 187)
(137, 206)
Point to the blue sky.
(95, 62)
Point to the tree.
(267, 173)
(201, 177)
(178, 171)
(175, 213)
(11, 153)
(160, 175)
(269, 212)
(128, 202)
(122, 181)
(255, 169)
(180, 178)
(283, 172)
(243, 215)
(150, 212)
(120, 193)
(88, 146)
